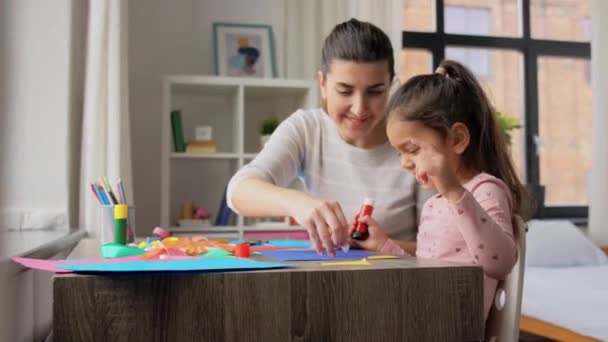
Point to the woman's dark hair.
(453, 95)
(357, 41)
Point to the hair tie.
(441, 71)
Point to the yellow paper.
(376, 257)
(362, 262)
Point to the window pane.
(415, 62)
(483, 17)
(500, 73)
(419, 15)
(564, 127)
(475, 58)
(561, 19)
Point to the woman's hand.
(433, 168)
(324, 220)
(376, 236)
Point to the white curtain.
(308, 22)
(106, 147)
(598, 204)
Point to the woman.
(341, 150)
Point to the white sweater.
(308, 144)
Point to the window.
(467, 20)
(418, 61)
(477, 59)
(471, 21)
(532, 57)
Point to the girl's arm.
(484, 219)
(408, 247)
(378, 241)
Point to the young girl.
(445, 131)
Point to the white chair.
(503, 321)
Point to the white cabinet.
(234, 108)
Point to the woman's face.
(355, 95)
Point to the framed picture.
(244, 50)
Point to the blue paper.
(291, 243)
(311, 255)
(207, 264)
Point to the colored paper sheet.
(362, 262)
(52, 265)
(267, 248)
(279, 243)
(311, 255)
(377, 257)
(291, 243)
(199, 264)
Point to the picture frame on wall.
(244, 50)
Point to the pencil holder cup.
(106, 228)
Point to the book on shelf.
(224, 213)
(178, 131)
(201, 146)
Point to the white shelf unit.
(233, 107)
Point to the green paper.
(217, 253)
(116, 250)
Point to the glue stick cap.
(369, 201)
(120, 211)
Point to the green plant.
(507, 124)
(268, 125)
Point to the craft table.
(391, 300)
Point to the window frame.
(531, 49)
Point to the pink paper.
(51, 265)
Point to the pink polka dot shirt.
(478, 229)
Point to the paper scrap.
(362, 262)
(377, 257)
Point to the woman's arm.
(271, 171)
(259, 188)
(258, 197)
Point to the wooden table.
(392, 300)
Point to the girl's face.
(407, 136)
(355, 95)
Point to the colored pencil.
(122, 191)
(103, 195)
(95, 193)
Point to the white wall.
(34, 103)
(598, 213)
(175, 37)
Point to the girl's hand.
(376, 236)
(324, 220)
(433, 168)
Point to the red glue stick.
(360, 232)
(242, 250)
